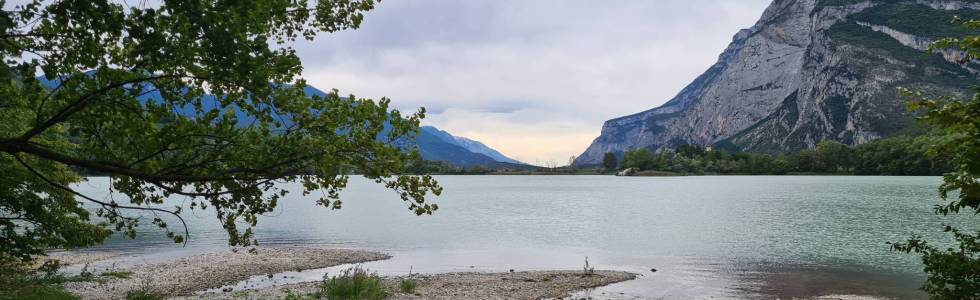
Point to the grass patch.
(28, 290)
(117, 274)
(143, 294)
(145, 291)
(294, 296)
(19, 281)
(353, 283)
(407, 285)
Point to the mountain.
(807, 71)
(471, 145)
(433, 144)
(438, 145)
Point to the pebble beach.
(184, 276)
(189, 277)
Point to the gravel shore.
(76, 258)
(464, 286)
(184, 276)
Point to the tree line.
(902, 155)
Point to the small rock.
(653, 270)
(512, 270)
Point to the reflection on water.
(721, 237)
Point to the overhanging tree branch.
(112, 206)
(81, 103)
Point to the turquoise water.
(707, 236)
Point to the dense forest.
(900, 155)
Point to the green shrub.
(294, 296)
(32, 290)
(118, 274)
(19, 281)
(145, 291)
(354, 283)
(144, 294)
(407, 285)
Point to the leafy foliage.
(609, 161)
(922, 68)
(407, 285)
(901, 155)
(953, 272)
(195, 98)
(824, 3)
(117, 274)
(354, 283)
(917, 19)
(19, 281)
(143, 295)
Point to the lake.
(707, 236)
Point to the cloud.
(534, 79)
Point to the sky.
(532, 79)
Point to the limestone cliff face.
(808, 70)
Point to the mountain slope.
(469, 144)
(807, 71)
(437, 145)
(431, 146)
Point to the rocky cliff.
(807, 71)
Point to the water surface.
(707, 236)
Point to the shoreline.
(671, 174)
(184, 276)
(459, 285)
(192, 277)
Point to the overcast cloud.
(533, 79)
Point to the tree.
(833, 156)
(953, 272)
(806, 161)
(609, 162)
(689, 151)
(643, 159)
(196, 98)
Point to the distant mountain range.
(438, 145)
(808, 71)
(470, 145)
(433, 144)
